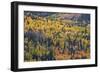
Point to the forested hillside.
(56, 36)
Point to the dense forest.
(56, 36)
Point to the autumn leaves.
(48, 39)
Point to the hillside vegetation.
(55, 39)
